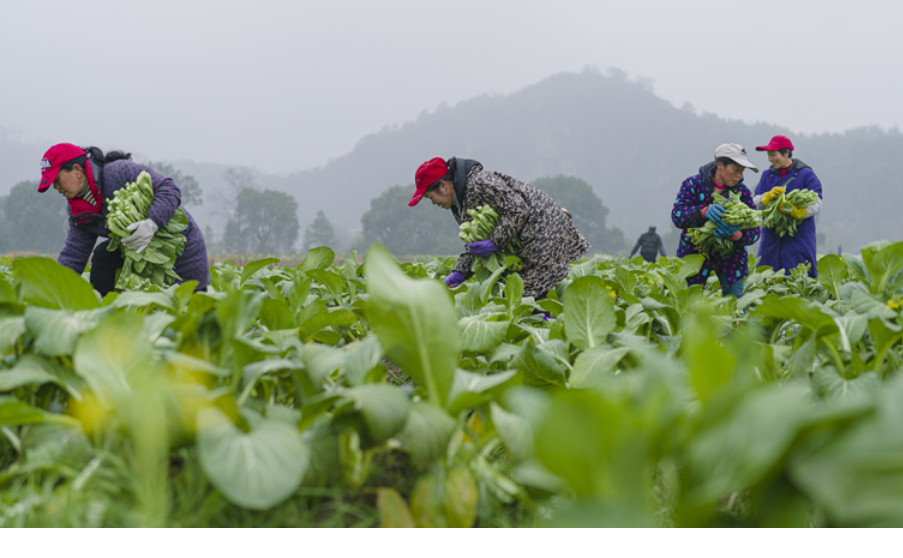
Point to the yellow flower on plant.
(892, 305)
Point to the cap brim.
(47, 179)
(744, 163)
(768, 147)
(416, 199)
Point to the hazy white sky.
(287, 85)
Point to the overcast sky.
(288, 85)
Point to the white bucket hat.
(735, 153)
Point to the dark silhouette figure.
(649, 244)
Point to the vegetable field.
(339, 394)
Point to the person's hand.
(482, 248)
(724, 230)
(792, 210)
(713, 213)
(143, 233)
(772, 194)
(454, 279)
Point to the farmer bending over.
(549, 240)
(784, 176)
(88, 178)
(695, 205)
(648, 244)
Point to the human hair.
(452, 166)
(786, 152)
(96, 155)
(725, 161)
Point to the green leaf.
(393, 510)
(589, 314)
(461, 497)
(515, 433)
(361, 358)
(514, 290)
(141, 299)
(595, 363)
(44, 282)
(276, 315)
(832, 273)
(57, 331)
(251, 268)
(471, 390)
(883, 266)
(426, 433)
(332, 281)
(478, 335)
(415, 323)
(33, 370)
(10, 331)
(317, 258)
(255, 470)
(14, 412)
(384, 409)
(320, 361)
(112, 355)
(540, 366)
(326, 318)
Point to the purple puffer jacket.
(788, 252)
(192, 265)
(694, 196)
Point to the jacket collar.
(462, 170)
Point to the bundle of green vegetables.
(155, 264)
(779, 214)
(484, 220)
(736, 213)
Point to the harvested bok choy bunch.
(155, 264)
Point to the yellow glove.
(792, 210)
(773, 194)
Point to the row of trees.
(262, 221)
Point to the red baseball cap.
(776, 143)
(428, 173)
(55, 157)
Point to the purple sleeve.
(811, 182)
(750, 236)
(761, 187)
(77, 250)
(687, 210)
(167, 196)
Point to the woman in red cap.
(787, 174)
(549, 240)
(87, 179)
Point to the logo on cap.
(45, 164)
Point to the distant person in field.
(695, 205)
(785, 175)
(649, 244)
(87, 179)
(549, 240)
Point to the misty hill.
(633, 147)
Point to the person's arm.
(462, 265)
(748, 236)
(760, 191)
(77, 250)
(167, 196)
(687, 210)
(661, 247)
(636, 247)
(812, 182)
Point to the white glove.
(144, 232)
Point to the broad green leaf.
(57, 331)
(141, 299)
(393, 510)
(237, 312)
(332, 281)
(46, 283)
(426, 433)
(255, 470)
(10, 331)
(251, 268)
(515, 433)
(384, 409)
(320, 361)
(14, 412)
(427, 501)
(591, 365)
(539, 366)
(832, 272)
(461, 497)
(415, 323)
(514, 290)
(884, 266)
(33, 370)
(326, 318)
(317, 258)
(275, 315)
(112, 355)
(589, 314)
(471, 390)
(802, 312)
(361, 358)
(478, 335)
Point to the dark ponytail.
(96, 155)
